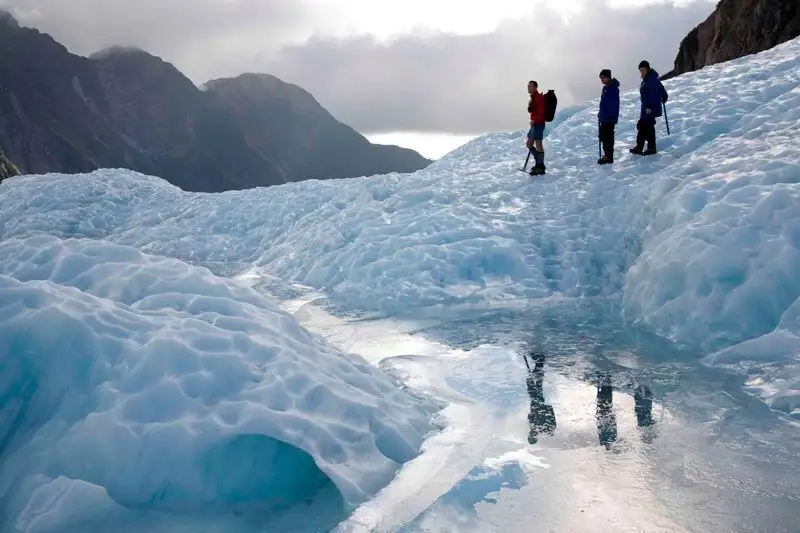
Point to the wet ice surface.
(704, 457)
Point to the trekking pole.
(599, 141)
(526, 162)
(666, 120)
(526, 361)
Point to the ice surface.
(118, 361)
(175, 389)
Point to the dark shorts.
(536, 133)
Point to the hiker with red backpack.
(536, 132)
(542, 110)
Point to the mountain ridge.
(125, 107)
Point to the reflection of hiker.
(643, 406)
(536, 132)
(608, 115)
(606, 420)
(653, 95)
(542, 417)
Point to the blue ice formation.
(129, 365)
(178, 390)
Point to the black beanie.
(605, 73)
(644, 64)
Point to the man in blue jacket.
(653, 94)
(608, 115)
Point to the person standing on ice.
(653, 94)
(536, 132)
(608, 115)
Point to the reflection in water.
(644, 406)
(542, 417)
(643, 399)
(606, 420)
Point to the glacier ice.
(175, 389)
(109, 302)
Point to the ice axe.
(666, 120)
(525, 166)
(599, 141)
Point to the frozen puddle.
(602, 459)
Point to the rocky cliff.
(7, 168)
(737, 28)
(124, 107)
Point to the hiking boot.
(635, 150)
(539, 168)
(605, 160)
(650, 151)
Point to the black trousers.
(646, 133)
(607, 138)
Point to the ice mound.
(175, 389)
(723, 249)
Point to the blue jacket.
(609, 103)
(651, 91)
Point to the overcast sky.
(381, 66)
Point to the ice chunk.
(174, 389)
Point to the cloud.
(201, 37)
(432, 82)
(474, 84)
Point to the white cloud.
(471, 84)
(388, 19)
